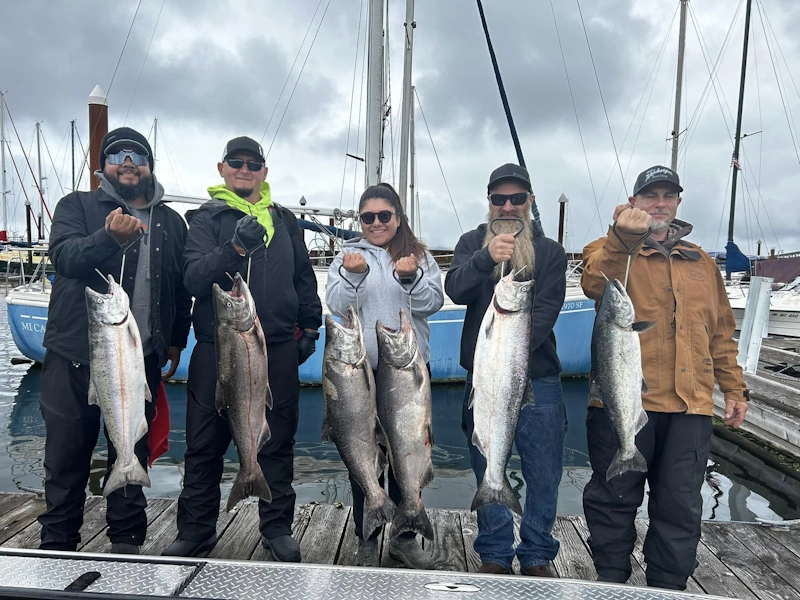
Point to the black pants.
(676, 448)
(208, 437)
(71, 428)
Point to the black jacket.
(469, 281)
(79, 244)
(282, 281)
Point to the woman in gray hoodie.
(369, 265)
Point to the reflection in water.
(739, 486)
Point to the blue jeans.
(540, 444)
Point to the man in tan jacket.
(675, 284)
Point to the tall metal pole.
(72, 130)
(374, 94)
(155, 140)
(408, 44)
(562, 209)
(41, 182)
(676, 130)
(3, 190)
(738, 137)
(412, 209)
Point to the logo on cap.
(654, 172)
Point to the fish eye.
(340, 334)
(99, 300)
(229, 304)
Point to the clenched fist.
(122, 227)
(406, 266)
(354, 263)
(501, 248)
(632, 220)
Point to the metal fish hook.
(355, 288)
(419, 274)
(493, 222)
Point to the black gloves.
(306, 345)
(249, 234)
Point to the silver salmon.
(404, 410)
(243, 385)
(616, 377)
(351, 416)
(117, 381)
(500, 385)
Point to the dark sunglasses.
(118, 158)
(368, 218)
(237, 163)
(516, 199)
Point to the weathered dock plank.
(748, 567)
(736, 560)
(20, 517)
(241, 537)
(323, 536)
(447, 547)
(573, 560)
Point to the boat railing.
(32, 281)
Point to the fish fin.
(471, 398)
(364, 368)
(376, 515)
(380, 436)
(429, 432)
(219, 399)
(488, 327)
(411, 516)
(380, 461)
(594, 390)
(505, 496)
(644, 387)
(419, 376)
(427, 477)
(268, 399)
(528, 397)
(142, 431)
(148, 395)
(643, 326)
(326, 431)
(641, 420)
(93, 398)
(476, 441)
(246, 486)
(264, 436)
(122, 475)
(619, 465)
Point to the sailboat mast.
(679, 86)
(3, 191)
(155, 139)
(408, 43)
(72, 132)
(737, 140)
(412, 209)
(375, 93)
(41, 182)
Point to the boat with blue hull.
(27, 317)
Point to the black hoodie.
(282, 282)
(469, 281)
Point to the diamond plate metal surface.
(285, 582)
(117, 577)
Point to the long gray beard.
(524, 255)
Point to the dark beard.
(243, 193)
(132, 192)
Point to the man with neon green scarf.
(241, 230)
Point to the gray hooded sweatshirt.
(380, 296)
(140, 302)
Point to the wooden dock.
(774, 413)
(736, 560)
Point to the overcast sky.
(216, 69)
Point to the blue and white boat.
(27, 318)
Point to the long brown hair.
(404, 242)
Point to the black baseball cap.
(125, 136)
(510, 171)
(243, 144)
(657, 174)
